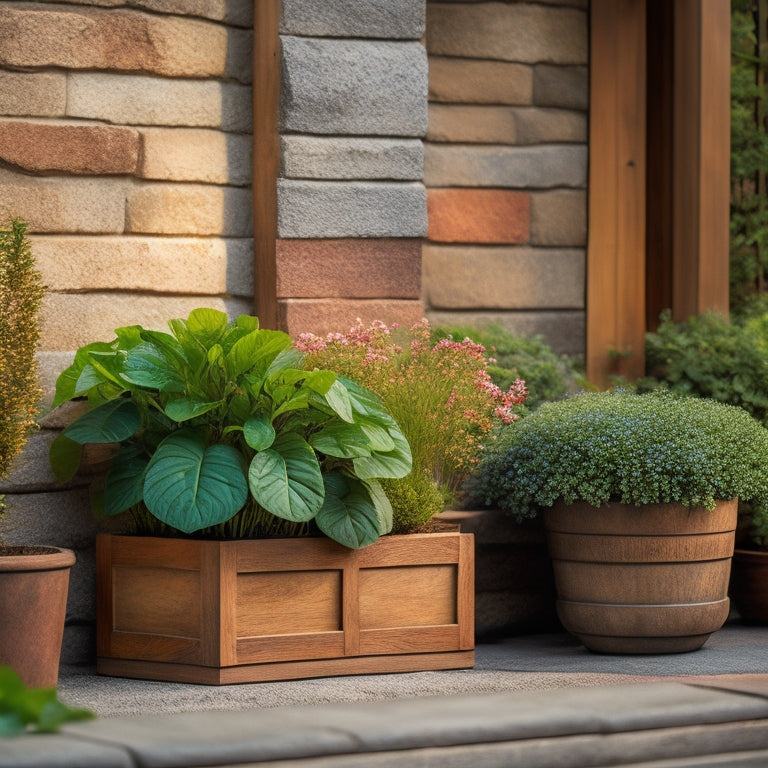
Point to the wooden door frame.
(686, 219)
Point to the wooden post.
(701, 157)
(266, 157)
(616, 247)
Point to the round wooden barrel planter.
(34, 582)
(749, 585)
(641, 579)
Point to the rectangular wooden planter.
(219, 612)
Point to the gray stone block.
(351, 209)
(564, 330)
(81, 598)
(316, 157)
(78, 646)
(388, 19)
(47, 750)
(537, 167)
(353, 87)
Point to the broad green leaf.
(125, 481)
(128, 337)
(382, 504)
(147, 366)
(259, 432)
(64, 456)
(247, 322)
(108, 365)
(366, 403)
(348, 514)
(110, 422)
(207, 325)
(190, 486)
(288, 358)
(320, 381)
(66, 383)
(392, 464)
(184, 409)
(378, 436)
(255, 352)
(345, 441)
(338, 399)
(88, 379)
(286, 479)
(216, 355)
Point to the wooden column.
(616, 246)
(701, 158)
(266, 156)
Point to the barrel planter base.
(220, 612)
(34, 582)
(749, 585)
(641, 580)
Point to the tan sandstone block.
(190, 209)
(559, 217)
(321, 316)
(70, 320)
(78, 37)
(479, 82)
(60, 204)
(238, 12)
(137, 100)
(33, 93)
(457, 277)
(73, 149)
(189, 154)
(508, 32)
(181, 265)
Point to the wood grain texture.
(322, 602)
(266, 156)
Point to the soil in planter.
(7, 550)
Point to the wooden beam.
(266, 156)
(701, 157)
(616, 246)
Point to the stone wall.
(506, 167)
(125, 142)
(351, 200)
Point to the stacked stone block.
(351, 198)
(506, 167)
(125, 142)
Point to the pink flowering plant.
(440, 394)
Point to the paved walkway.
(535, 701)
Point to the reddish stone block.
(73, 149)
(478, 215)
(321, 316)
(362, 269)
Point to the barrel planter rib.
(648, 580)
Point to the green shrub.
(547, 376)
(708, 356)
(415, 500)
(21, 294)
(629, 448)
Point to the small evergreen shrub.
(547, 376)
(626, 447)
(21, 294)
(708, 356)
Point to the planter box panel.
(156, 601)
(281, 609)
(257, 650)
(407, 596)
(408, 640)
(288, 602)
(155, 647)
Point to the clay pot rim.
(55, 558)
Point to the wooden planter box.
(249, 611)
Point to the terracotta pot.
(247, 611)
(641, 579)
(749, 585)
(33, 605)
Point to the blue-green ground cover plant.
(626, 447)
(222, 431)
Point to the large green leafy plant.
(221, 431)
(630, 448)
